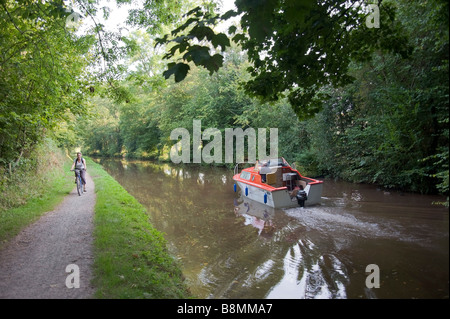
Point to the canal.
(232, 248)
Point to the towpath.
(33, 264)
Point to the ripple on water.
(309, 275)
(336, 220)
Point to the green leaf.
(239, 38)
(180, 71)
(198, 54)
(220, 39)
(202, 32)
(232, 29)
(229, 14)
(214, 63)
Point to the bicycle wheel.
(79, 185)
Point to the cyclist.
(80, 164)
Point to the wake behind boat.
(275, 183)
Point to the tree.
(42, 76)
(295, 47)
(390, 126)
(47, 68)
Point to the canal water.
(232, 248)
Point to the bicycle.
(79, 181)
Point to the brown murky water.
(230, 248)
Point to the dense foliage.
(389, 126)
(373, 102)
(295, 47)
(42, 75)
(49, 66)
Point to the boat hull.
(280, 198)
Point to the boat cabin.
(275, 173)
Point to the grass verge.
(131, 257)
(55, 187)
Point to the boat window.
(253, 178)
(277, 162)
(245, 175)
(272, 162)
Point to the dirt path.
(33, 264)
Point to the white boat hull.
(280, 198)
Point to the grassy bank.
(131, 256)
(35, 187)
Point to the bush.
(30, 175)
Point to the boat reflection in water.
(295, 268)
(258, 215)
